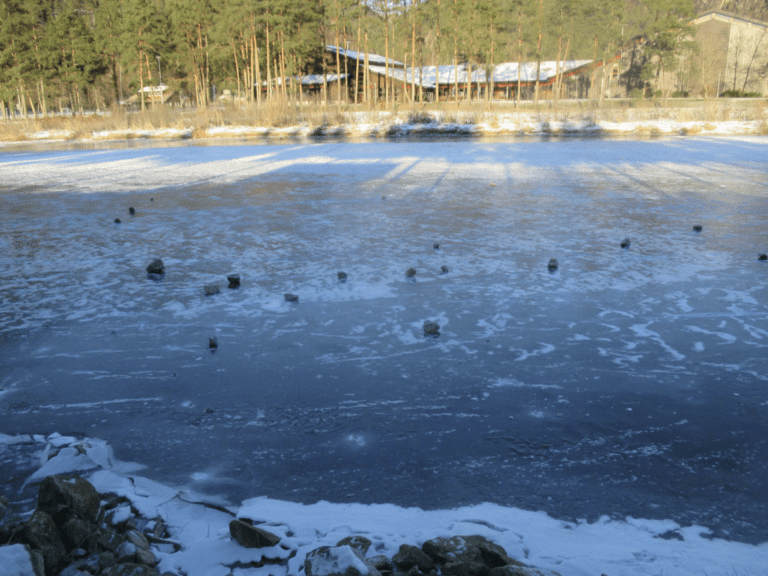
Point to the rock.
(126, 552)
(431, 327)
(409, 556)
(697, 228)
(337, 561)
(359, 543)
(41, 532)
(625, 243)
(436, 246)
(138, 539)
(381, 563)
(291, 298)
(17, 560)
(117, 221)
(104, 540)
(131, 211)
(342, 276)
(466, 555)
(213, 343)
(234, 281)
(75, 532)
(763, 257)
(411, 272)
(552, 264)
(444, 269)
(251, 536)
(156, 267)
(145, 557)
(76, 495)
(211, 289)
(106, 560)
(73, 570)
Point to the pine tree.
(72, 53)
(666, 27)
(16, 57)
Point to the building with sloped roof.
(733, 54)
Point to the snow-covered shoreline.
(377, 125)
(625, 547)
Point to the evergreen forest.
(91, 54)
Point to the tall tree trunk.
(413, 56)
(436, 58)
(269, 68)
(493, 70)
(538, 55)
(141, 80)
(338, 63)
(237, 68)
(357, 60)
(519, 50)
(366, 74)
(456, 50)
(357, 49)
(258, 71)
(386, 63)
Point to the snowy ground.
(630, 383)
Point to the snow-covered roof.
(507, 72)
(161, 88)
(308, 79)
(372, 58)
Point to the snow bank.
(628, 547)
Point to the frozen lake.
(627, 382)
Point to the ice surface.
(552, 392)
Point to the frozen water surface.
(628, 382)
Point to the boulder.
(342, 276)
(291, 298)
(213, 343)
(411, 272)
(359, 543)
(625, 243)
(117, 221)
(763, 257)
(156, 267)
(132, 211)
(210, 290)
(250, 536)
(337, 561)
(234, 281)
(18, 560)
(552, 265)
(61, 495)
(466, 555)
(444, 269)
(697, 228)
(41, 532)
(431, 327)
(409, 556)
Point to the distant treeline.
(92, 53)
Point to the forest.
(91, 54)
